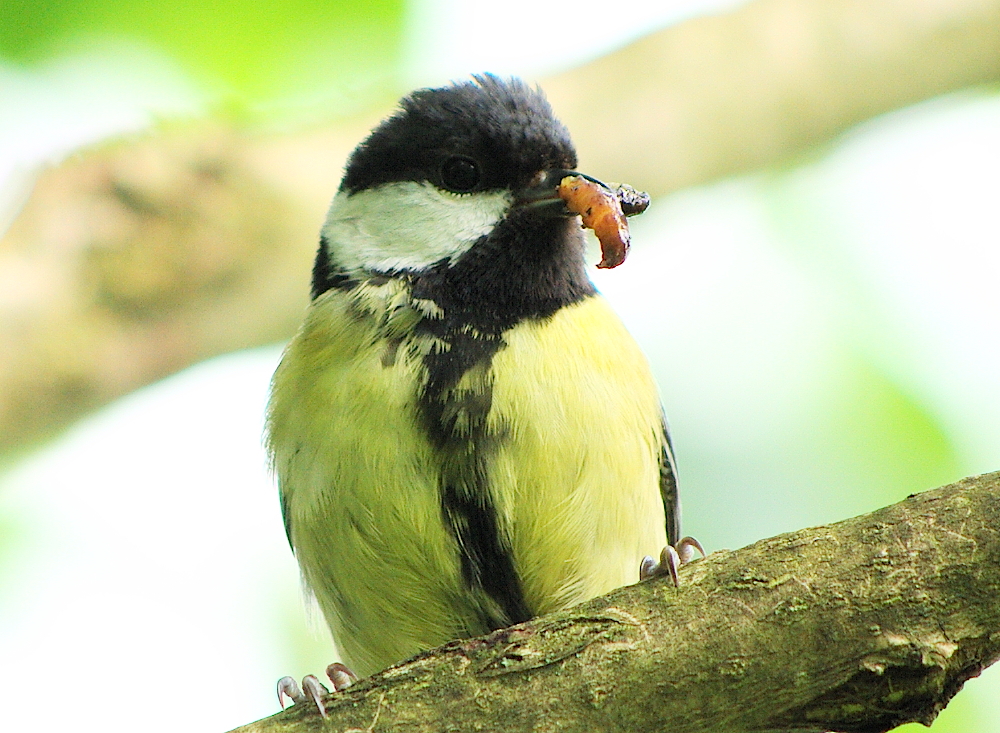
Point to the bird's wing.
(668, 486)
(286, 516)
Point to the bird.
(464, 433)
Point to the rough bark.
(136, 259)
(860, 625)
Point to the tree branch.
(860, 625)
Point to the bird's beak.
(563, 193)
(541, 197)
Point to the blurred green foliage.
(246, 51)
(891, 443)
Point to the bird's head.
(453, 168)
(459, 192)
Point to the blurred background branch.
(139, 257)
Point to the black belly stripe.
(486, 558)
(456, 423)
(527, 268)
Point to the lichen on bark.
(859, 626)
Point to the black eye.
(460, 174)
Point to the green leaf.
(246, 50)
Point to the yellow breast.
(579, 479)
(574, 474)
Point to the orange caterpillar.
(600, 208)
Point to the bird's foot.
(671, 560)
(312, 689)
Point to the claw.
(315, 690)
(686, 548)
(312, 689)
(288, 687)
(647, 569)
(341, 676)
(671, 560)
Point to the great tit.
(464, 434)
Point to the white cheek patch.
(408, 225)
